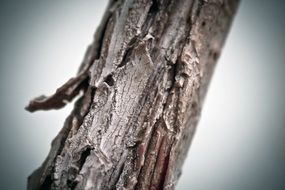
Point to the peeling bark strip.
(143, 80)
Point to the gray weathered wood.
(144, 79)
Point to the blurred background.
(240, 141)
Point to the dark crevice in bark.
(71, 184)
(153, 10)
(174, 71)
(154, 7)
(115, 178)
(200, 5)
(164, 172)
(110, 80)
(73, 172)
(47, 183)
(84, 156)
(157, 160)
(126, 56)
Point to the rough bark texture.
(144, 79)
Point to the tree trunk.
(143, 80)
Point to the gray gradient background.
(239, 144)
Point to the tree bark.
(143, 79)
